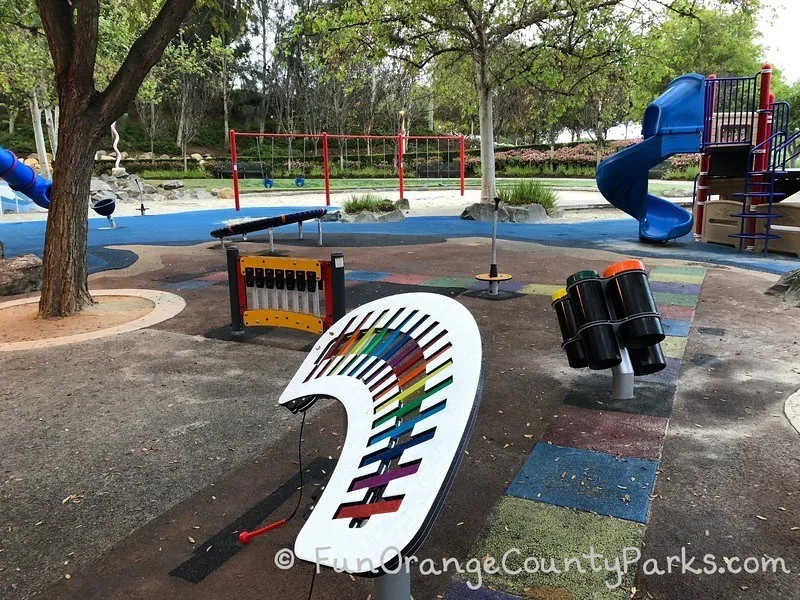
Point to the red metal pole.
(400, 162)
(326, 170)
(234, 169)
(705, 164)
(761, 160)
(462, 161)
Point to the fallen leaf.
(761, 518)
(191, 540)
(67, 576)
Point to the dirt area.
(20, 323)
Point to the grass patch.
(370, 202)
(687, 174)
(176, 174)
(528, 192)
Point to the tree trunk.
(151, 130)
(65, 289)
(12, 120)
(38, 135)
(488, 184)
(225, 108)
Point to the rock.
(107, 157)
(530, 213)
(119, 172)
(148, 189)
(2, 251)
(155, 198)
(676, 193)
(20, 275)
(98, 185)
(361, 217)
(402, 204)
(208, 157)
(203, 195)
(225, 193)
(196, 156)
(163, 157)
(32, 162)
(172, 184)
(390, 217)
(482, 211)
(215, 192)
(332, 216)
(788, 287)
(104, 196)
(175, 195)
(100, 153)
(147, 156)
(105, 177)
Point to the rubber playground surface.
(131, 462)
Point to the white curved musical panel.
(408, 370)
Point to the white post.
(394, 586)
(622, 377)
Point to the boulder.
(98, 185)
(119, 172)
(203, 195)
(676, 193)
(361, 217)
(155, 197)
(104, 195)
(215, 192)
(530, 213)
(163, 157)
(172, 184)
(107, 157)
(2, 251)
(402, 204)
(788, 288)
(332, 216)
(390, 217)
(100, 153)
(225, 193)
(482, 211)
(105, 177)
(148, 189)
(175, 195)
(196, 156)
(33, 163)
(20, 275)
(147, 156)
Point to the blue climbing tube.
(21, 178)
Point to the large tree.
(72, 31)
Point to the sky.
(780, 36)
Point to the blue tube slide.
(672, 124)
(23, 179)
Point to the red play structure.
(445, 160)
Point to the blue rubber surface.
(186, 228)
(673, 124)
(587, 480)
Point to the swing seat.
(268, 182)
(299, 181)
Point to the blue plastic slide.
(23, 179)
(672, 124)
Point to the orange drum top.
(622, 266)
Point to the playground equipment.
(270, 223)
(611, 323)
(22, 178)
(408, 370)
(493, 276)
(297, 293)
(747, 159)
(382, 156)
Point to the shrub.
(687, 174)
(372, 202)
(528, 192)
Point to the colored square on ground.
(464, 282)
(668, 375)
(544, 532)
(365, 276)
(593, 391)
(697, 271)
(675, 278)
(540, 289)
(215, 277)
(191, 284)
(459, 590)
(636, 436)
(674, 347)
(505, 286)
(677, 328)
(588, 481)
(675, 288)
(679, 313)
(407, 278)
(677, 299)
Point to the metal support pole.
(400, 152)
(462, 161)
(622, 377)
(394, 586)
(111, 222)
(234, 169)
(326, 169)
(300, 230)
(494, 286)
(319, 232)
(237, 323)
(271, 240)
(337, 285)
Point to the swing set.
(382, 159)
